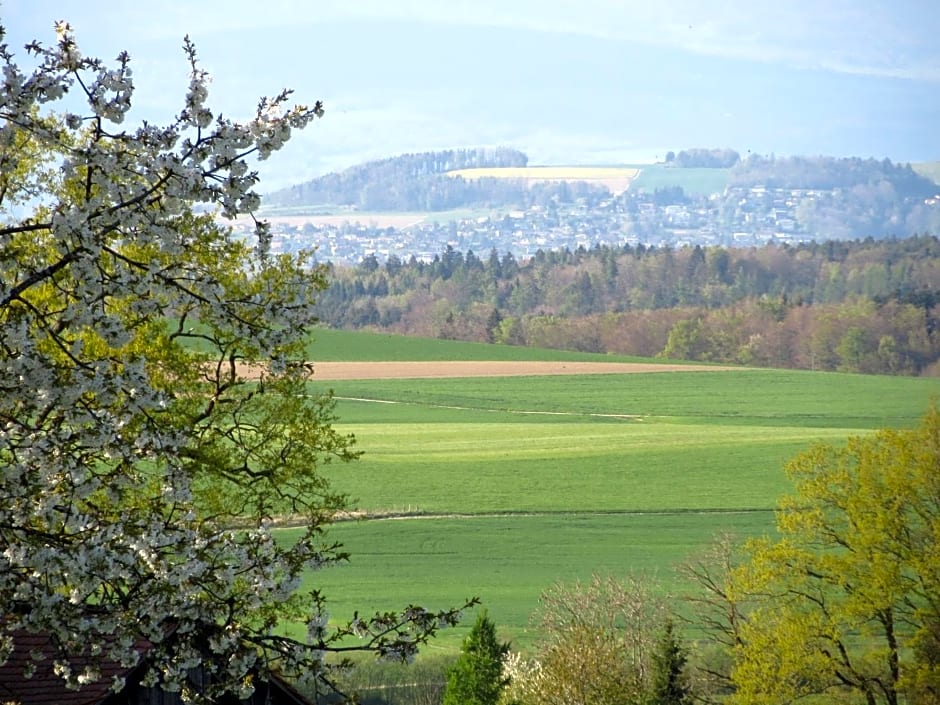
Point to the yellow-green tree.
(849, 595)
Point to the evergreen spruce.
(668, 686)
(476, 678)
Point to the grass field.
(503, 486)
(929, 169)
(508, 560)
(694, 181)
(554, 173)
(340, 345)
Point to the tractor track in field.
(355, 515)
(628, 417)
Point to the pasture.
(331, 345)
(695, 181)
(929, 169)
(498, 487)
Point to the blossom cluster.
(140, 469)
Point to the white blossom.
(138, 474)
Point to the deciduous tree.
(720, 606)
(141, 465)
(849, 593)
(599, 644)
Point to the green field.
(507, 561)
(929, 169)
(694, 181)
(501, 487)
(697, 181)
(549, 173)
(354, 346)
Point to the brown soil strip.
(484, 368)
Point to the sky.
(856, 36)
(756, 30)
(330, 50)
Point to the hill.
(571, 98)
(444, 180)
(483, 177)
(603, 83)
(409, 182)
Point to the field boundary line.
(630, 417)
(418, 515)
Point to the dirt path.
(484, 368)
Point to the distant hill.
(427, 181)
(501, 177)
(830, 173)
(818, 78)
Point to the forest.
(829, 173)
(869, 306)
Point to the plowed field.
(484, 368)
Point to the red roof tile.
(45, 687)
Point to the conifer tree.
(668, 686)
(477, 676)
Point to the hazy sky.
(852, 39)
(866, 36)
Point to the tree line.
(704, 158)
(827, 173)
(861, 306)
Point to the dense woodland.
(867, 306)
(829, 173)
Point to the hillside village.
(741, 216)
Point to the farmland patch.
(556, 468)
